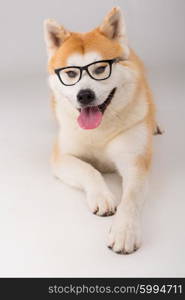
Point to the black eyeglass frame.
(109, 61)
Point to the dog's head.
(89, 69)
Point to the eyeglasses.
(99, 70)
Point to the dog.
(106, 116)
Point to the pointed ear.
(113, 27)
(54, 35)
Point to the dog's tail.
(158, 130)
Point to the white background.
(46, 228)
(155, 29)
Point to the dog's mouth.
(91, 116)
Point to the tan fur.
(122, 142)
(94, 40)
(56, 153)
(83, 43)
(135, 62)
(53, 105)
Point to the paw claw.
(102, 204)
(108, 213)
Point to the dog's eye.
(100, 70)
(71, 74)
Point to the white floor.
(46, 228)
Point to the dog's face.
(89, 69)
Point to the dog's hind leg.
(77, 173)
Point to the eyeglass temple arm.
(118, 59)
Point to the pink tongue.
(90, 117)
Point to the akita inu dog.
(106, 119)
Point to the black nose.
(86, 96)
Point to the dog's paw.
(124, 236)
(102, 204)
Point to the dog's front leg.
(125, 236)
(77, 173)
